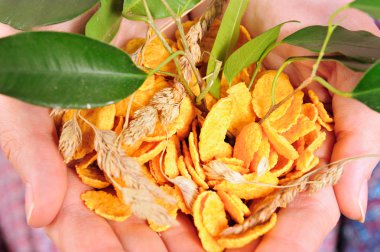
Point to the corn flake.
(90, 174)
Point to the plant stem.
(177, 21)
(305, 83)
(215, 75)
(255, 73)
(331, 88)
(166, 61)
(168, 48)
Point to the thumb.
(357, 132)
(28, 139)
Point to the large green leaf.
(25, 14)
(136, 7)
(368, 89)
(250, 52)
(360, 46)
(65, 70)
(105, 23)
(372, 7)
(226, 38)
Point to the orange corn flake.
(262, 152)
(282, 167)
(171, 157)
(106, 205)
(182, 167)
(155, 53)
(310, 111)
(234, 206)
(157, 148)
(133, 45)
(194, 153)
(214, 129)
(90, 174)
(280, 143)
(302, 128)
(155, 170)
(290, 117)
(240, 240)
(322, 113)
(248, 142)
(190, 167)
(263, 91)
(208, 241)
(187, 113)
(118, 124)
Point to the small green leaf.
(226, 38)
(368, 89)
(65, 70)
(360, 46)
(25, 14)
(136, 7)
(372, 7)
(250, 52)
(105, 23)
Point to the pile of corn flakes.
(278, 150)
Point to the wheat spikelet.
(167, 101)
(143, 123)
(217, 170)
(70, 139)
(311, 182)
(188, 189)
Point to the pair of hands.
(27, 136)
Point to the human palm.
(29, 141)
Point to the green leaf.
(65, 70)
(25, 14)
(368, 89)
(226, 38)
(250, 52)
(360, 46)
(136, 7)
(372, 7)
(105, 23)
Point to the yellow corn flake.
(233, 208)
(209, 243)
(303, 127)
(187, 113)
(310, 111)
(90, 174)
(231, 161)
(248, 142)
(190, 167)
(249, 190)
(240, 240)
(299, 145)
(273, 158)
(242, 111)
(102, 118)
(262, 152)
(225, 150)
(307, 160)
(242, 77)
(262, 93)
(182, 167)
(155, 170)
(195, 156)
(214, 129)
(171, 208)
(133, 45)
(280, 143)
(155, 53)
(142, 96)
(290, 117)
(282, 167)
(213, 214)
(172, 151)
(106, 205)
(147, 156)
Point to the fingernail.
(363, 197)
(29, 203)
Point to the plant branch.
(331, 88)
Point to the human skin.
(28, 138)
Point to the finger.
(357, 133)
(28, 139)
(184, 232)
(303, 224)
(135, 235)
(76, 228)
